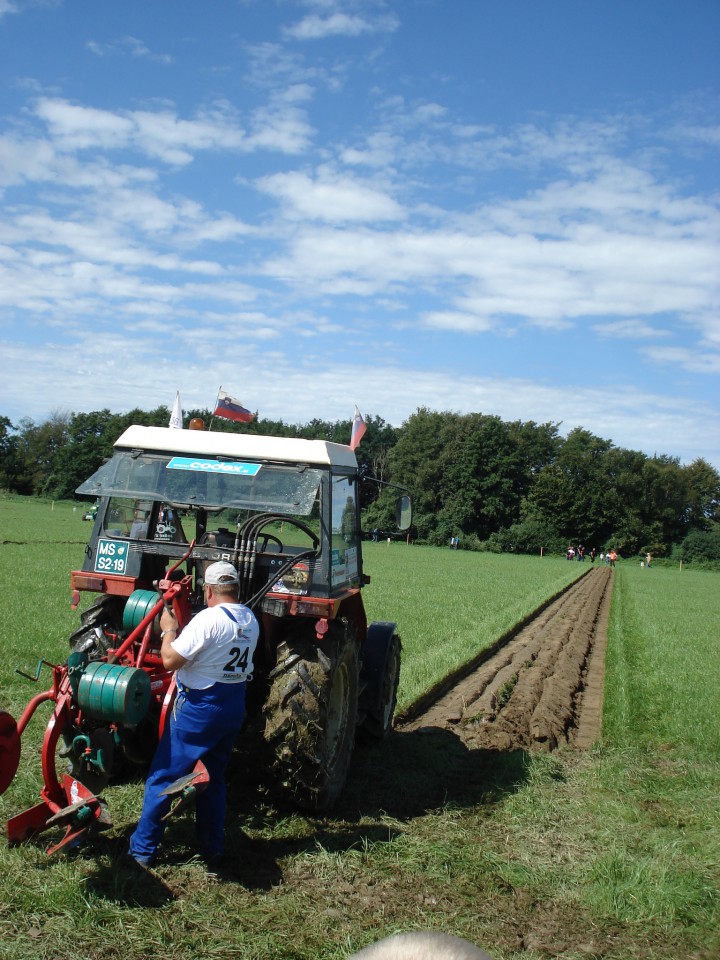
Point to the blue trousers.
(204, 726)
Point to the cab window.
(344, 553)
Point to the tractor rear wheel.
(311, 713)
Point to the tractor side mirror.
(403, 512)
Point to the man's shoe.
(134, 859)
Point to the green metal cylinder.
(114, 693)
(139, 604)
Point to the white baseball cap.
(221, 572)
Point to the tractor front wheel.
(91, 636)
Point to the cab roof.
(244, 446)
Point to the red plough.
(96, 704)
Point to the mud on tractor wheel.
(311, 713)
(91, 637)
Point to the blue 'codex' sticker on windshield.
(214, 466)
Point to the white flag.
(176, 415)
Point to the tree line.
(494, 484)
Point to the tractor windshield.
(211, 483)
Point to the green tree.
(700, 545)
(90, 439)
(418, 460)
(532, 535)
(623, 522)
(482, 484)
(663, 504)
(14, 475)
(38, 446)
(572, 493)
(703, 495)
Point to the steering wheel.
(266, 538)
(262, 537)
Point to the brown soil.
(543, 687)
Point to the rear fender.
(379, 678)
(374, 651)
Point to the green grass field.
(614, 853)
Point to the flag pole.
(212, 415)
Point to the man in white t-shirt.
(213, 658)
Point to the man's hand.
(168, 620)
(171, 659)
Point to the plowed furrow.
(541, 689)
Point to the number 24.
(238, 659)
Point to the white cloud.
(380, 151)
(163, 135)
(24, 159)
(316, 27)
(457, 321)
(280, 125)
(592, 271)
(8, 6)
(694, 361)
(274, 67)
(128, 45)
(630, 329)
(76, 127)
(607, 239)
(330, 197)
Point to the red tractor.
(286, 513)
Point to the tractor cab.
(284, 511)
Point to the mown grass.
(31, 520)
(612, 854)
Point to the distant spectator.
(602, 557)
(648, 560)
(421, 946)
(592, 555)
(613, 557)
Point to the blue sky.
(469, 205)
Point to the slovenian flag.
(231, 409)
(358, 429)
